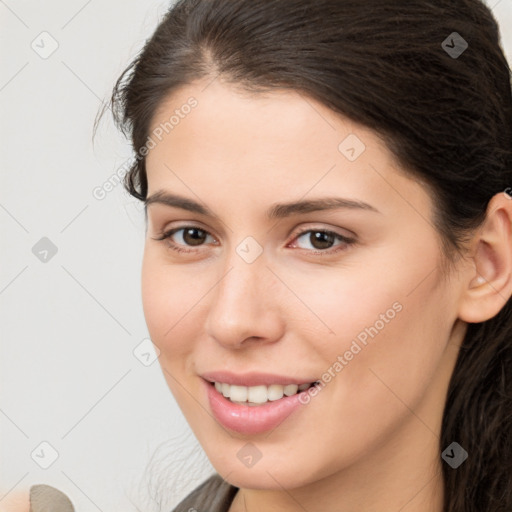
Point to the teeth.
(275, 392)
(255, 395)
(290, 389)
(238, 393)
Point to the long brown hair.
(444, 108)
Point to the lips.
(246, 418)
(250, 379)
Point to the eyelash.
(346, 240)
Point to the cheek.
(398, 362)
(386, 314)
(167, 299)
(169, 303)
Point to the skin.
(15, 501)
(369, 440)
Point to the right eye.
(191, 236)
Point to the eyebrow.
(276, 211)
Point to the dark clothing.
(213, 495)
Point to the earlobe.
(489, 279)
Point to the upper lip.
(253, 379)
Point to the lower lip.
(247, 419)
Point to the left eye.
(322, 240)
(193, 236)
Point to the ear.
(488, 281)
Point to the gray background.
(75, 368)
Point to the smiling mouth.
(259, 395)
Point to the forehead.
(267, 145)
(238, 123)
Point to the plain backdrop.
(84, 405)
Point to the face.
(348, 294)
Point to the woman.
(327, 268)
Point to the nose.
(242, 309)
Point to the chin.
(269, 475)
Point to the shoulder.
(213, 495)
